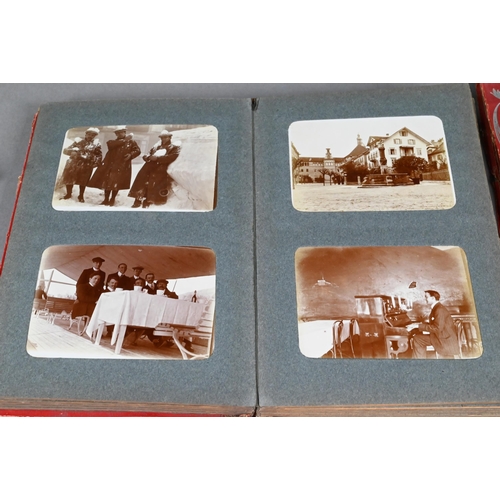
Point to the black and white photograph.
(370, 164)
(386, 303)
(138, 167)
(124, 302)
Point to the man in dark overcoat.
(153, 183)
(87, 295)
(115, 173)
(84, 155)
(96, 268)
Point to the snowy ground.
(179, 200)
(429, 195)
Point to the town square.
(351, 165)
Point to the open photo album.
(322, 255)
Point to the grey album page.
(151, 200)
(378, 258)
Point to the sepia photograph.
(138, 167)
(370, 164)
(124, 302)
(386, 303)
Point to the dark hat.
(138, 267)
(98, 259)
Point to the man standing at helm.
(84, 155)
(115, 173)
(153, 183)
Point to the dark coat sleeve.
(129, 283)
(135, 150)
(87, 293)
(84, 277)
(71, 149)
(441, 323)
(86, 298)
(115, 143)
(96, 156)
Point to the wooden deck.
(56, 341)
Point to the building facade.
(436, 152)
(378, 155)
(385, 150)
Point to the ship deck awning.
(163, 261)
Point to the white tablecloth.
(130, 308)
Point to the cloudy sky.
(311, 138)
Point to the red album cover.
(488, 95)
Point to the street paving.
(428, 195)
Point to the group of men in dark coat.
(92, 283)
(152, 184)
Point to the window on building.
(392, 151)
(404, 133)
(397, 141)
(411, 141)
(419, 151)
(393, 159)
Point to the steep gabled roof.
(377, 138)
(413, 133)
(439, 148)
(358, 151)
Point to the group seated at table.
(159, 288)
(93, 282)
